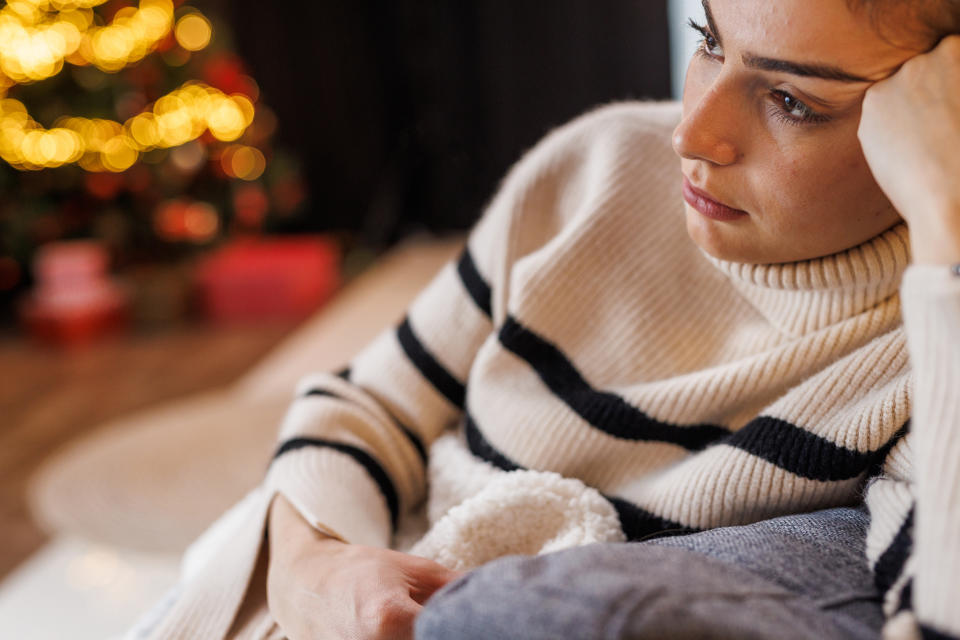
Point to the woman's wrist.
(289, 534)
(937, 241)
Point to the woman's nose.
(708, 129)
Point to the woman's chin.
(720, 239)
(743, 241)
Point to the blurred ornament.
(225, 72)
(288, 194)
(104, 186)
(202, 222)
(188, 158)
(182, 220)
(169, 220)
(250, 206)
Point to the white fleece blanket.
(477, 513)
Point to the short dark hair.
(938, 18)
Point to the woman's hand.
(910, 134)
(321, 588)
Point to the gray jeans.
(802, 577)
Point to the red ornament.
(250, 206)
(103, 185)
(225, 72)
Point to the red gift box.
(264, 279)
(74, 301)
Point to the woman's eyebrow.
(807, 70)
(826, 72)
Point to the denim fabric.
(800, 577)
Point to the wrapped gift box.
(263, 279)
(74, 301)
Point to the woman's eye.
(794, 110)
(708, 42)
(793, 106)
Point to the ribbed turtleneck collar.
(801, 297)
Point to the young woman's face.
(770, 115)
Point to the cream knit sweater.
(608, 381)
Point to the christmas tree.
(133, 124)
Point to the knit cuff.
(931, 309)
(334, 493)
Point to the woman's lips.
(706, 205)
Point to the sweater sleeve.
(919, 562)
(353, 447)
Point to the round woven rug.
(153, 481)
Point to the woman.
(711, 389)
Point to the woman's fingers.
(426, 577)
(909, 132)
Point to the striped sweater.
(581, 332)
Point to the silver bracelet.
(955, 268)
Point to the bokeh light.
(183, 220)
(181, 116)
(193, 32)
(38, 36)
(242, 161)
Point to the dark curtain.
(407, 113)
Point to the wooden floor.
(48, 397)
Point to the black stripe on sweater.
(906, 597)
(441, 379)
(480, 447)
(474, 283)
(891, 562)
(788, 446)
(606, 411)
(800, 452)
(363, 458)
(640, 525)
(407, 431)
(929, 633)
(637, 523)
(880, 458)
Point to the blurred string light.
(106, 145)
(38, 36)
